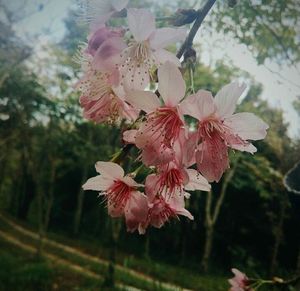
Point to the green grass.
(20, 271)
(160, 271)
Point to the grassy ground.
(20, 271)
(161, 272)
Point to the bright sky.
(280, 92)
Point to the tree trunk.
(183, 241)
(212, 215)
(209, 232)
(109, 281)
(80, 199)
(40, 223)
(298, 262)
(147, 246)
(278, 237)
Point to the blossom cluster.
(240, 281)
(121, 64)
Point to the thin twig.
(201, 15)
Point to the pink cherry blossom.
(219, 128)
(163, 123)
(102, 99)
(147, 49)
(120, 191)
(162, 208)
(239, 282)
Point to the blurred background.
(53, 236)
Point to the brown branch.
(290, 281)
(201, 15)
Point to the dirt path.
(81, 254)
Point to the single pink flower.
(147, 49)
(162, 208)
(163, 123)
(239, 282)
(119, 190)
(219, 128)
(102, 99)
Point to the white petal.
(227, 97)
(109, 169)
(247, 126)
(141, 23)
(249, 147)
(137, 78)
(196, 181)
(119, 4)
(129, 136)
(185, 213)
(163, 37)
(98, 183)
(199, 105)
(144, 100)
(171, 85)
(161, 56)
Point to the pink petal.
(97, 38)
(196, 181)
(212, 158)
(141, 23)
(119, 4)
(129, 136)
(153, 155)
(185, 147)
(109, 169)
(247, 126)
(151, 186)
(185, 212)
(130, 182)
(234, 284)
(127, 111)
(177, 204)
(227, 97)
(163, 37)
(199, 105)
(144, 100)
(161, 56)
(108, 54)
(171, 85)
(114, 211)
(98, 183)
(238, 273)
(136, 211)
